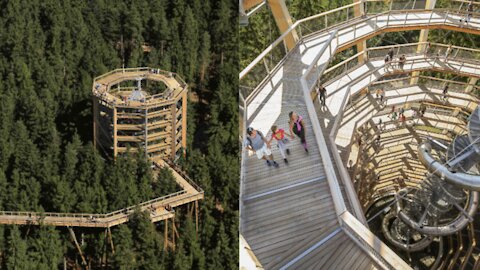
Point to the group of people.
(389, 59)
(257, 142)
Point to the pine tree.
(16, 253)
(47, 249)
(125, 256)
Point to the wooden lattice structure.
(140, 108)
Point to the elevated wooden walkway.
(159, 208)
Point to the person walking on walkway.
(279, 135)
(391, 54)
(382, 96)
(425, 53)
(387, 60)
(423, 109)
(257, 143)
(297, 126)
(445, 92)
(323, 94)
(401, 61)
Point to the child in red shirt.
(279, 135)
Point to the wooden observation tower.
(140, 108)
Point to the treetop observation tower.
(140, 107)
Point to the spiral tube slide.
(464, 180)
(455, 225)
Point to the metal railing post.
(405, 22)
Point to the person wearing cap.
(258, 143)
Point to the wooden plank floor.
(285, 207)
(339, 252)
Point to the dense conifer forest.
(50, 51)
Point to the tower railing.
(265, 65)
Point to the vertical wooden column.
(146, 132)
(173, 234)
(471, 83)
(429, 4)
(95, 116)
(79, 249)
(111, 240)
(184, 121)
(165, 236)
(173, 137)
(358, 11)
(196, 217)
(115, 147)
(284, 21)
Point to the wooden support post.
(196, 217)
(430, 4)
(284, 21)
(115, 146)
(358, 11)
(111, 240)
(165, 241)
(184, 122)
(471, 84)
(146, 132)
(173, 234)
(173, 116)
(95, 116)
(74, 239)
(105, 248)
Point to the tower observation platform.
(375, 190)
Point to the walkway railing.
(467, 55)
(433, 82)
(149, 100)
(268, 62)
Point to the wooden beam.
(165, 236)
(173, 109)
(79, 249)
(115, 140)
(95, 116)
(173, 234)
(471, 84)
(196, 217)
(184, 122)
(359, 11)
(111, 240)
(284, 22)
(248, 4)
